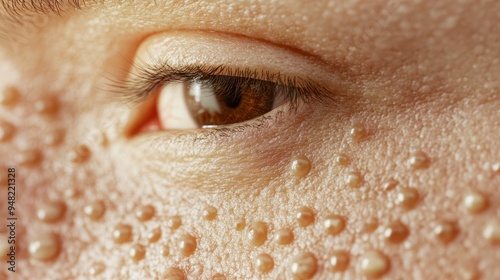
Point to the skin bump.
(374, 264)
(9, 96)
(300, 166)
(44, 247)
(339, 261)
(122, 233)
(46, 106)
(94, 210)
(257, 233)
(7, 131)
(51, 211)
(305, 216)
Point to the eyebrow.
(19, 17)
(18, 9)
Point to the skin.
(417, 76)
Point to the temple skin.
(415, 100)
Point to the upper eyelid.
(198, 48)
(179, 49)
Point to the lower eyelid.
(274, 120)
(252, 128)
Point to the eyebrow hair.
(21, 8)
(20, 18)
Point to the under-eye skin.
(177, 85)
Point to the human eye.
(201, 81)
(196, 97)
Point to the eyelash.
(147, 79)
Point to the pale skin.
(409, 78)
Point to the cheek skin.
(402, 187)
(388, 194)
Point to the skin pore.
(396, 174)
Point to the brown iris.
(238, 99)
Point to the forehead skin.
(422, 77)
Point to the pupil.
(234, 98)
(233, 101)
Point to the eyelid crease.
(177, 49)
